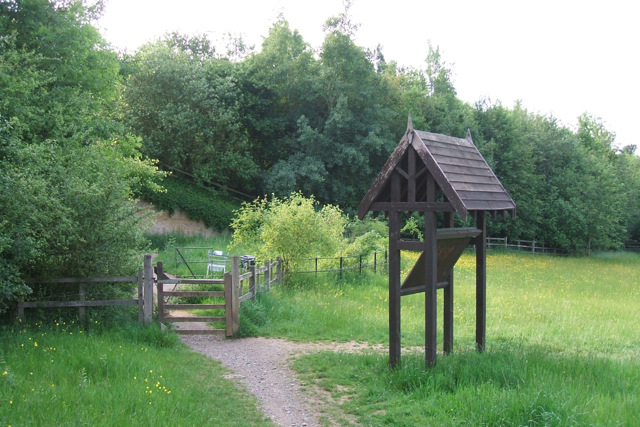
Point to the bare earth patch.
(262, 366)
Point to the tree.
(67, 170)
(337, 151)
(58, 79)
(184, 102)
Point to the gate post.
(252, 279)
(235, 298)
(160, 276)
(228, 307)
(148, 289)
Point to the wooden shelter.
(430, 173)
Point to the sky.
(560, 58)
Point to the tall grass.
(562, 344)
(67, 374)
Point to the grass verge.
(66, 374)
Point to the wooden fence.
(535, 247)
(144, 299)
(258, 278)
(632, 246)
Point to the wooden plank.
(455, 161)
(194, 306)
(418, 289)
(449, 151)
(431, 277)
(394, 277)
(194, 293)
(448, 308)
(484, 171)
(199, 331)
(192, 281)
(228, 310)
(411, 182)
(484, 195)
(252, 279)
(101, 303)
(81, 309)
(147, 291)
(481, 282)
(412, 206)
(410, 245)
(84, 280)
(451, 244)
(246, 296)
(470, 178)
(235, 297)
(160, 292)
(244, 276)
(493, 187)
(446, 139)
(204, 319)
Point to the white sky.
(561, 57)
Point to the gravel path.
(262, 366)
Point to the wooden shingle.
(460, 171)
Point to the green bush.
(290, 228)
(212, 207)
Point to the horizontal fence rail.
(254, 278)
(81, 301)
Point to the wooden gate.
(233, 295)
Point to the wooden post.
(447, 342)
(375, 260)
(269, 273)
(394, 275)
(148, 289)
(431, 277)
(160, 288)
(140, 296)
(340, 267)
(83, 296)
(279, 271)
(235, 298)
(266, 277)
(252, 279)
(316, 266)
(360, 264)
(481, 282)
(228, 307)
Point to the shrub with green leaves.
(292, 228)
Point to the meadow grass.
(64, 374)
(562, 344)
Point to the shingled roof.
(460, 171)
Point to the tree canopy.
(82, 125)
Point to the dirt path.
(262, 366)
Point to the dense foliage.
(323, 121)
(67, 169)
(76, 120)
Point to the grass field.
(69, 375)
(563, 344)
